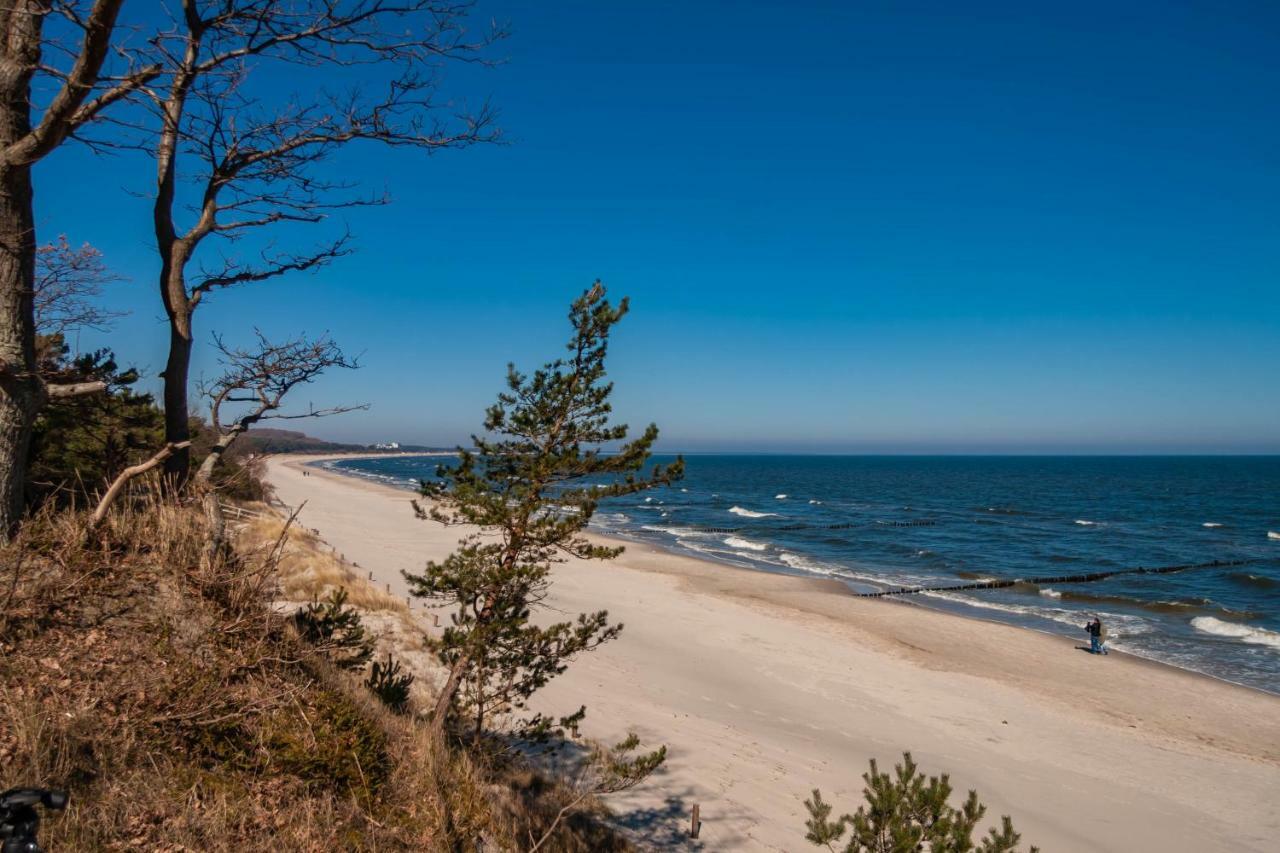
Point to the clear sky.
(844, 227)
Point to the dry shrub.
(184, 714)
(179, 710)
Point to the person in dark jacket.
(1095, 635)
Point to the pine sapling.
(907, 812)
(548, 456)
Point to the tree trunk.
(177, 418)
(217, 526)
(21, 393)
(445, 700)
(205, 474)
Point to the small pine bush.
(907, 812)
(333, 626)
(389, 684)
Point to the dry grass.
(183, 713)
(307, 569)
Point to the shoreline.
(830, 587)
(765, 686)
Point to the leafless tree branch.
(258, 378)
(68, 283)
(233, 159)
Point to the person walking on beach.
(1102, 635)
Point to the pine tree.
(80, 443)
(907, 813)
(531, 485)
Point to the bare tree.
(256, 164)
(256, 381)
(69, 282)
(123, 479)
(254, 386)
(71, 48)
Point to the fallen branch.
(75, 389)
(128, 474)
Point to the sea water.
(878, 522)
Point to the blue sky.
(844, 227)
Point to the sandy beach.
(764, 687)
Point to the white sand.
(764, 687)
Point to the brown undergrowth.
(183, 712)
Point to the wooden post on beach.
(371, 575)
(436, 617)
(695, 821)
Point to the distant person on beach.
(1097, 637)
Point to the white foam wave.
(815, 502)
(1271, 534)
(674, 531)
(1049, 592)
(1118, 625)
(798, 562)
(780, 497)
(1084, 522)
(803, 564)
(1211, 524)
(746, 513)
(738, 542)
(648, 500)
(1243, 633)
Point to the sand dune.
(764, 687)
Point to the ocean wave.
(798, 562)
(746, 513)
(1271, 534)
(1243, 633)
(1118, 625)
(1094, 599)
(1084, 522)
(804, 564)
(738, 542)
(1250, 579)
(670, 531)
(812, 501)
(1211, 524)
(780, 497)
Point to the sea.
(883, 522)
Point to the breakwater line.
(1080, 578)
